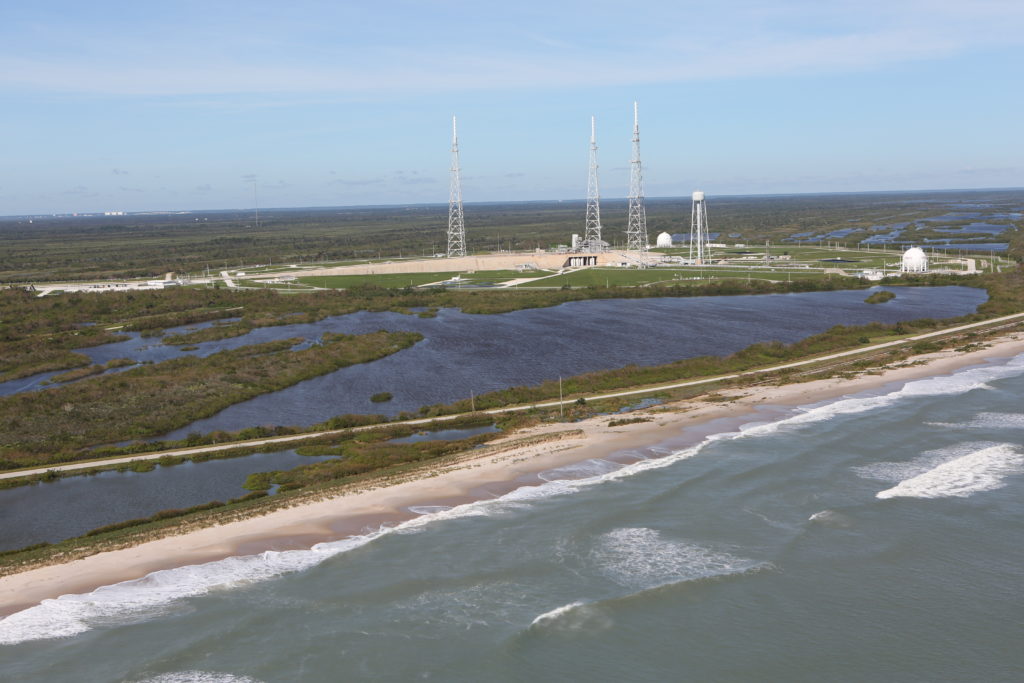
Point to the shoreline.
(485, 475)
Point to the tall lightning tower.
(636, 227)
(456, 225)
(699, 250)
(592, 234)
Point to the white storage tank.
(664, 240)
(914, 261)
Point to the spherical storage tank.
(914, 261)
(664, 240)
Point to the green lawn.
(625, 277)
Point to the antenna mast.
(592, 235)
(636, 227)
(456, 225)
(699, 247)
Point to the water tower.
(699, 243)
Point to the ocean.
(874, 537)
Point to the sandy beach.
(502, 466)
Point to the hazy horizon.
(442, 204)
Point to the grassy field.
(628, 277)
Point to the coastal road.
(277, 440)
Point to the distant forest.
(141, 245)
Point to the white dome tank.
(664, 240)
(914, 261)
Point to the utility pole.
(561, 408)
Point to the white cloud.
(652, 44)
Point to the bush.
(382, 397)
(880, 297)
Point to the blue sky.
(184, 105)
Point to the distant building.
(664, 240)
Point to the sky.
(206, 105)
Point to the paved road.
(511, 409)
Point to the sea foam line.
(70, 615)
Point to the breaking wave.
(573, 618)
(984, 470)
(895, 472)
(556, 613)
(198, 677)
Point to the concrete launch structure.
(699, 242)
(456, 224)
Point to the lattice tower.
(456, 224)
(592, 233)
(636, 226)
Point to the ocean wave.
(572, 618)
(985, 421)
(554, 614)
(586, 469)
(831, 518)
(896, 471)
(428, 509)
(997, 421)
(983, 470)
(70, 615)
(639, 558)
(198, 677)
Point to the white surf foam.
(554, 614)
(984, 470)
(895, 472)
(586, 469)
(199, 677)
(996, 421)
(948, 385)
(574, 617)
(69, 615)
(831, 518)
(428, 509)
(639, 558)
